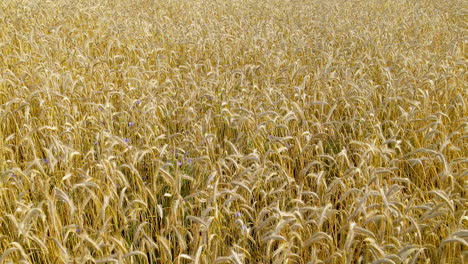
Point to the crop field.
(233, 131)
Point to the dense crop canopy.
(233, 131)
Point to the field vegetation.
(233, 131)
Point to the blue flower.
(131, 124)
(45, 160)
(136, 103)
(238, 214)
(126, 140)
(179, 163)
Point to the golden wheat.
(241, 131)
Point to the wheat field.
(233, 131)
